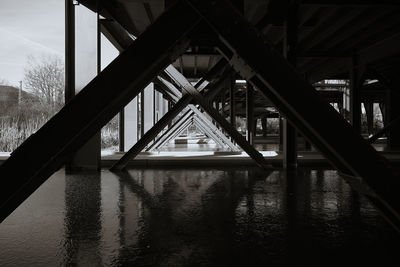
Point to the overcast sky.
(32, 27)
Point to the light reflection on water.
(236, 217)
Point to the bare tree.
(44, 77)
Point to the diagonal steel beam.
(47, 150)
(261, 65)
(175, 94)
(214, 89)
(166, 90)
(172, 134)
(384, 130)
(152, 133)
(121, 38)
(237, 137)
(182, 128)
(207, 132)
(221, 136)
(204, 127)
(170, 131)
(208, 123)
(112, 10)
(200, 126)
(160, 125)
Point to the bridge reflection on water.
(170, 217)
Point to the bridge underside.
(279, 53)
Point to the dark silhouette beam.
(262, 65)
(48, 149)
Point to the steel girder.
(170, 131)
(202, 125)
(200, 114)
(225, 125)
(47, 150)
(384, 130)
(255, 60)
(206, 130)
(209, 95)
(216, 87)
(182, 128)
(122, 39)
(220, 135)
(169, 135)
(212, 132)
(160, 125)
(259, 63)
(151, 133)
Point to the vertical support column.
(369, 109)
(289, 134)
(223, 101)
(69, 50)
(355, 97)
(218, 103)
(157, 112)
(166, 106)
(169, 108)
(84, 47)
(264, 125)
(160, 106)
(289, 145)
(121, 130)
(255, 127)
(250, 113)
(307, 144)
(232, 90)
(346, 102)
(340, 107)
(392, 112)
(382, 108)
(280, 131)
(147, 108)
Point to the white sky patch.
(29, 28)
(10, 64)
(19, 39)
(108, 52)
(14, 50)
(37, 28)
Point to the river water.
(189, 217)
